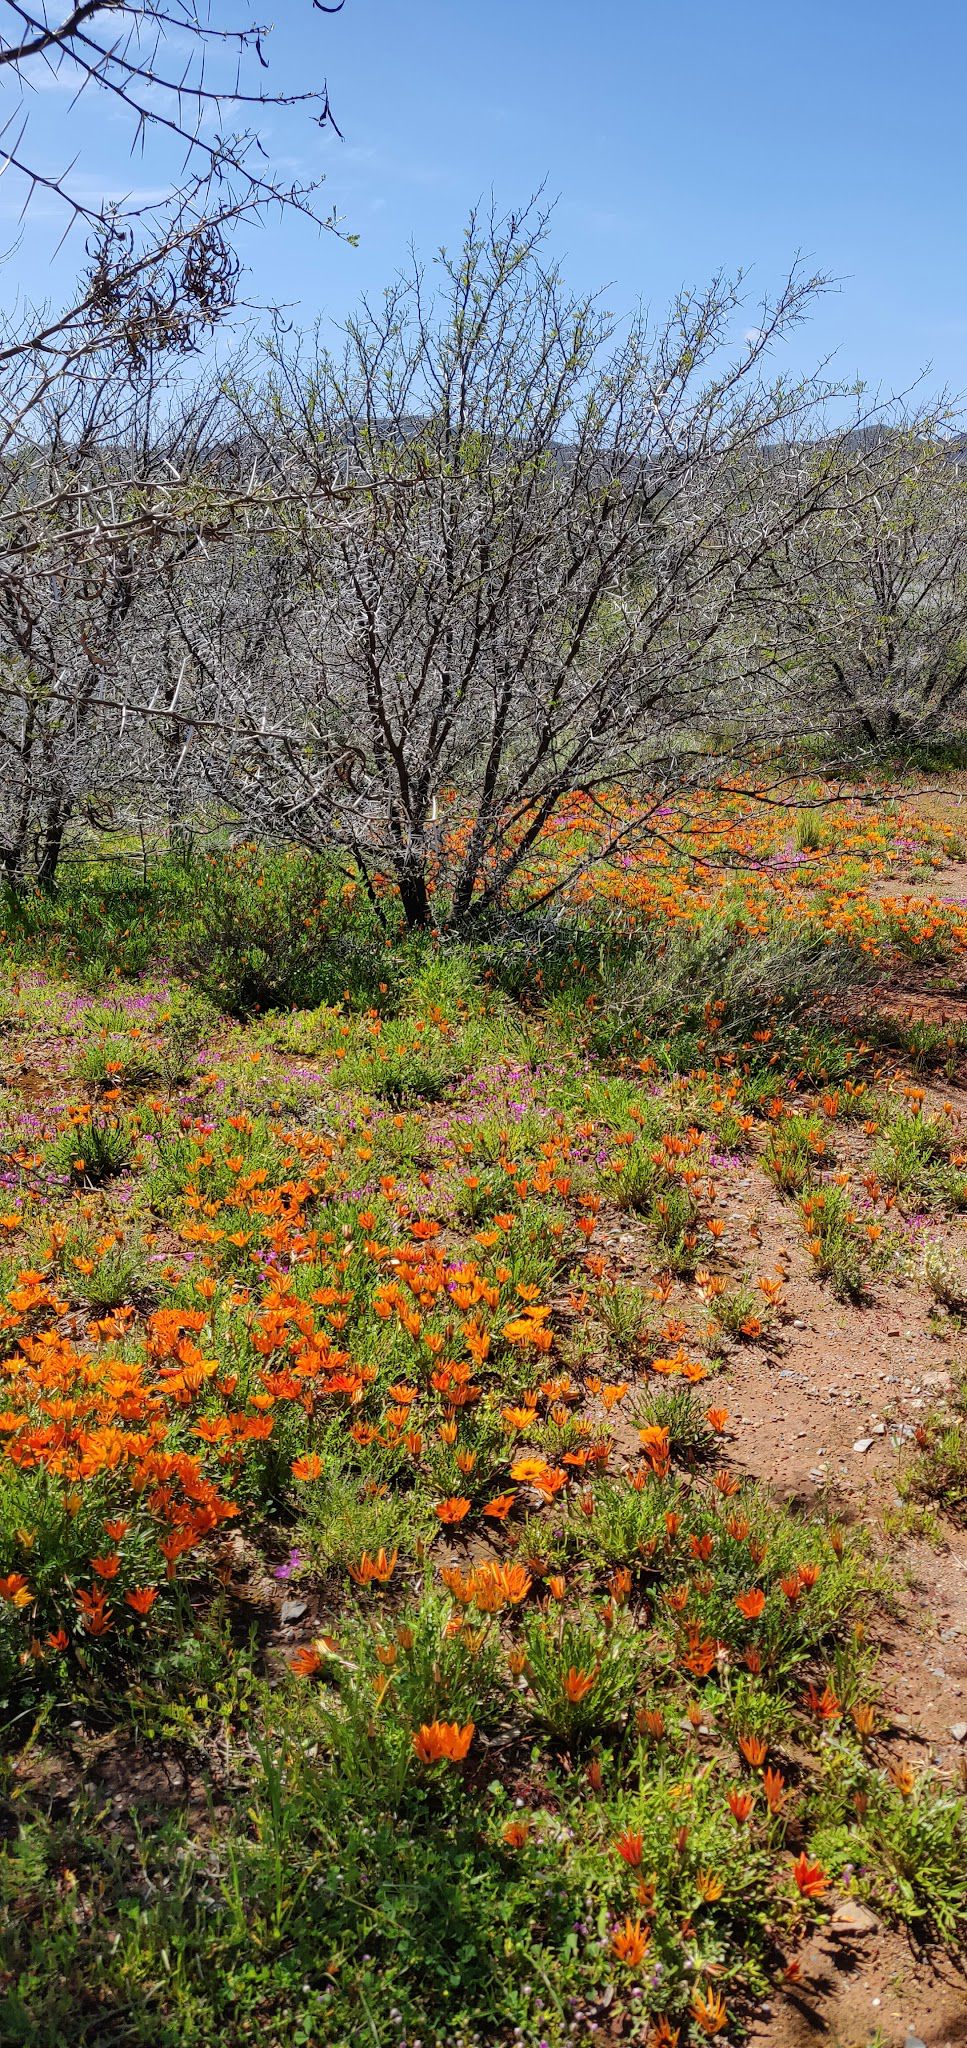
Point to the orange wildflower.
(306, 1662)
(498, 1509)
(726, 1483)
(307, 1467)
(141, 1598)
(630, 1942)
(442, 1741)
(655, 1445)
(824, 1703)
(629, 1847)
(15, 1589)
(774, 1787)
(700, 1656)
(811, 1878)
(381, 1568)
(451, 1511)
(577, 1684)
(709, 2009)
(516, 1833)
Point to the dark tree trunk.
(414, 897)
(50, 852)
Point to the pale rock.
(853, 1918)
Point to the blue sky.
(677, 139)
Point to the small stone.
(292, 1610)
(914, 2041)
(863, 1443)
(853, 1918)
(958, 1730)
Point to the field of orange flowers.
(395, 1641)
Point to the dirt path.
(826, 1412)
(859, 1986)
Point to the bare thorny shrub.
(91, 532)
(106, 402)
(184, 76)
(510, 545)
(867, 612)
